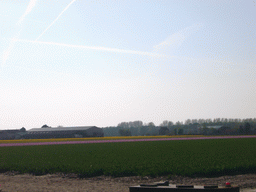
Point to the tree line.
(217, 126)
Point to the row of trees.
(190, 126)
(216, 121)
(166, 123)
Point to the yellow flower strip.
(94, 138)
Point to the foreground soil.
(57, 182)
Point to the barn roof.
(214, 126)
(82, 128)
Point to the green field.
(211, 157)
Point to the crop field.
(96, 138)
(61, 141)
(211, 157)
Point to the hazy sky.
(102, 62)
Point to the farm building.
(11, 134)
(64, 132)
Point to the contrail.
(8, 50)
(106, 49)
(176, 39)
(31, 4)
(56, 19)
(115, 50)
(14, 39)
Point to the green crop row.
(153, 158)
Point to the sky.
(100, 63)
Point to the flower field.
(27, 142)
(190, 157)
(95, 138)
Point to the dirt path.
(26, 182)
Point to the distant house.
(65, 132)
(214, 126)
(192, 129)
(216, 130)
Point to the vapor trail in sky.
(176, 39)
(7, 52)
(9, 49)
(115, 50)
(106, 49)
(31, 5)
(56, 19)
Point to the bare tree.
(164, 123)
